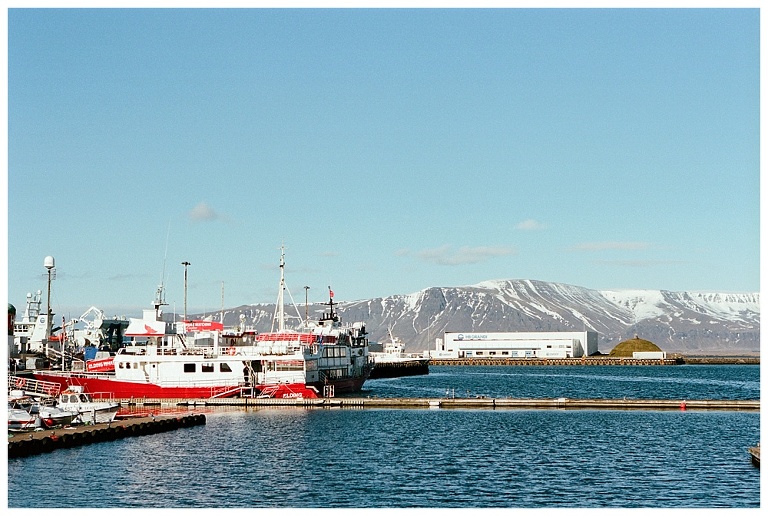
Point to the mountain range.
(692, 323)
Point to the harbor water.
(278, 457)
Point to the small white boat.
(88, 411)
(19, 420)
(40, 408)
(53, 416)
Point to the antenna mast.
(280, 297)
(222, 303)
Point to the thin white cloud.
(603, 246)
(203, 212)
(530, 225)
(445, 255)
(641, 263)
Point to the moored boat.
(30, 334)
(325, 358)
(55, 416)
(29, 412)
(85, 408)
(158, 363)
(393, 362)
(19, 420)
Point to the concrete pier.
(754, 453)
(46, 441)
(603, 360)
(478, 403)
(586, 361)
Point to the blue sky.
(389, 150)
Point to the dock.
(461, 403)
(46, 441)
(754, 452)
(400, 369)
(581, 361)
(602, 360)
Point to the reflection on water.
(336, 458)
(604, 382)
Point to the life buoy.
(21, 382)
(230, 350)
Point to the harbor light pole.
(185, 264)
(49, 264)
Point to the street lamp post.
(49, 264)
(185, 264)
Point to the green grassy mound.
(627, 347)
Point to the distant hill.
(685, 322)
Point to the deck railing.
(32, 386)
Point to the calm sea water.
(347, 458)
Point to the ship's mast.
(159, 301)
(222, 303)
(331, 315)
(280, 302)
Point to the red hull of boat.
(125, 390)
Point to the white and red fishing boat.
(321, 358)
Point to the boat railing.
(198, 351)
(285, 376)
(102, 396)
(226, 392)
(30, 385)
(324, 376)
(168, 351)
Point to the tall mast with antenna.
(280, 300)
(160, 293)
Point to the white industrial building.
(565, 344)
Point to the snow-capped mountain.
(686, 322)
